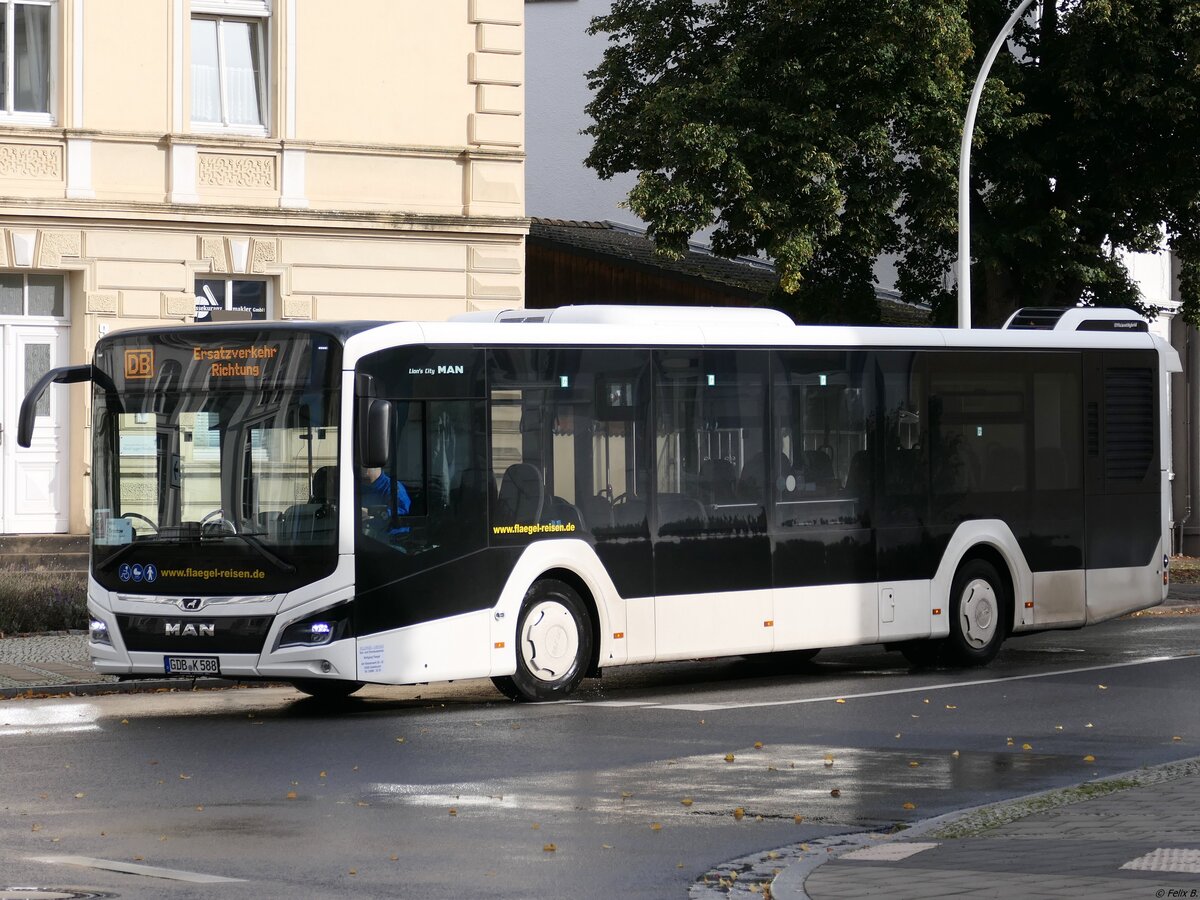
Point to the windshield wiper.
(125, 548)
(258, 545)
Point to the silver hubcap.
(978, 613)
(549, 641)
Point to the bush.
(42, 601)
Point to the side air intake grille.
(1129, 423)
(1036, 317)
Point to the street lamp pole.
(964, 172)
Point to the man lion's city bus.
(534, 496)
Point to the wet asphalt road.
(450, 791)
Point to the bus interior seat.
(818, 467)
(629, 513)
(521, 494)
(597, 511)
(718, 482)
(563, 511)
(311, 522)
(858, 475)
(678, 509)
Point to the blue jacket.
(380, 491)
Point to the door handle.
(1, 432)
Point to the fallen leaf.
(914, 716)
(394, 858)
(656, 826)
(951, 706)
(897, 735)
(124, 721)
(1027, 746)
(729, 757)
(322, 775)
(1103, 687)
(758, 818)
(400, 740)
(36, 827)
(772, 854)
(55, 840)
(955, 754)
(606, 846)
(291, 795)
(701, 721)
(1177, 738)
(798, 819)
(1089, 758)
(549, 848)
(453, 811)
(353, 871)
(362, 803)
(926, 700)
(625, 795)
(828, 760)
(758, 745)
(1058, 728)
(80, 795)
(739, 813)
(679, 865)
(184, 777)
(138, 858)
(536, 826)
(1089, 725)
(910, 806)
(686, 801)
(839, 700)
(200, 808)
(162, 837)
(913, 764)
(835, 793)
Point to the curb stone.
(784, 870)
(150, 686)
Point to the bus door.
(712, 553)
(822, 477)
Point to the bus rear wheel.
(554, 644)
(978, 604)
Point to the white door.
(33, 481)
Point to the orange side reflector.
(617, 635)
(1029, 604)
(770, 623)
(937, 612)
(499, 645)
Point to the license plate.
(192, 665)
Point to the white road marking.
(717, 707)
(888, 852)
(109, 865)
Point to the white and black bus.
(537, 495)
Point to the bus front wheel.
(554, 644)
(978, 604)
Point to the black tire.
(326, 688)
(979, 606)
(554, 644)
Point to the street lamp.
(964, 172)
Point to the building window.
(27, 64)
(229, 66)
(239, 294)
(32, 295)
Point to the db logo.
(139, 363)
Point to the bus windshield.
(210, 487)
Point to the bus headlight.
(98, 632)
(317, 629)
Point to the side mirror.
(375, 434)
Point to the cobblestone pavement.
(1132, 836)
(40, 661)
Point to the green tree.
(826, 132)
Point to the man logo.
(139, 363)
(179, 629)
(192, 603)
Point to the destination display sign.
(253, 359)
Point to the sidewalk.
(1131, 836)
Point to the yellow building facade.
(165, 161)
